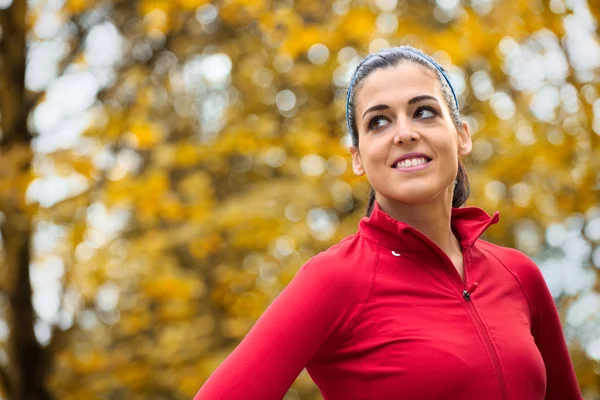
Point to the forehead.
(399, 83)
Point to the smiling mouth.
(412, 162)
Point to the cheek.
(376, 150)
(447, 157)
(447, 147)
(448, 161)
(369, 156)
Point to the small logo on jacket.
(395, 254)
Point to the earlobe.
(464, 140)
(356, 162)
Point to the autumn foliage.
(166, 166)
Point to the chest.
(419, 336)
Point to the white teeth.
(411, 163)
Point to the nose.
(405, 133)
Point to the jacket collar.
(468, 223)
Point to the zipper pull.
(467, 293)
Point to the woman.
(414, 305)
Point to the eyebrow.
(416, 99)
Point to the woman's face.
(401, 116)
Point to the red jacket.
(384, 315)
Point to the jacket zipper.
(474, 314)
(487, 341)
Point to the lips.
(411, 156)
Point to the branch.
(5, 380)
(59, 337)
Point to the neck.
(432, 219)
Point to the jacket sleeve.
(547, 331)
(308, 315)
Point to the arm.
(306, 316)
(547, 331)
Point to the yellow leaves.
(108, 126)
(197, 192)
(144, 134)
(176, 310)
(225, 273)
(239, 140)
(306, 75)
(255, 234)
(189, 384)
(163, 15)
(201, 247)
(277, 24)
(186, 154)
(77, 6)
(146, 7)
(358, 25)
(131, 324)
(306, 142)
(117, 192)
(155, 184)
(90, 362)
(241, 12)
(236, 327)
(299, 41)
(77, 232)
(196, 186)
(154, 199)
(287, 31)
(84, 166)
(209, 363)
(65, 162)
(147, 212)
(248, 304)
(475, 39)
(171, 209)
(191, 5)
(171, 287)
(133, 374)
(157, 20)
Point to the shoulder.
(336, 284)
(351, 248)
(347, 265)
(517, 263)
(513, 259)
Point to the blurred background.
(166, 166)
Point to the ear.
(464, 140)
(357, 166)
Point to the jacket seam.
(367, 296)
(376, 242)
(368, 239)
(533, 316)
(347, 238)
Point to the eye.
(378, 121)
(425, 113)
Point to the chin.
(415, 195)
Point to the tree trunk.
(24, 377)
